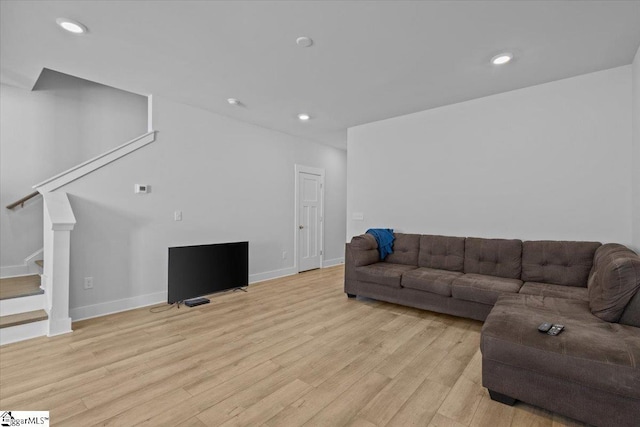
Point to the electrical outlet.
(177, 216)
(284, 254)
(88, 282)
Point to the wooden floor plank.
(462, 401)
(492, 413)
(290, 352)
(421, 406)
(307, 406)
(266, 408)
(22, 318)
(345, 406)
(20, 286)
(141, 413)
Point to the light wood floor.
(292, 351)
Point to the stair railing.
(22, 201)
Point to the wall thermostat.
(142, 188)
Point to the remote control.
(555, 330)
(544, 327)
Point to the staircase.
(22, 304)
(33, 305)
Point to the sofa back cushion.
(558, 262)
(493, 257)
(441, 252)
(614, 282)
(631, 314)
(405, 249)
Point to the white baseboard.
(22, 304)
(274, 274)
(59, 326)
(110, 307)
(27, 267)
(331, 262)
(23, 332)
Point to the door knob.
(301, 227)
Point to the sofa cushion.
(405, 249)
(493, 257)
(441, 252)
(555, 291)
(614, 281)
(430, 280)
(483, 289)
(589, 351)
(382, 273)
(365, 257)
(558, 262)
(631, 314)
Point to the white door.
(309, 221)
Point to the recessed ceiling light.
(233, 101)
(304, 41)
(304, 117)
(72, 26)
(502, 58)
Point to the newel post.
(58, 224)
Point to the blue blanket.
(385, 238)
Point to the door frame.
(313, 171)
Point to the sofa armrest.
(362, 250)
(614, 281)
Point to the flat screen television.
(200, 270)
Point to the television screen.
(200, 270)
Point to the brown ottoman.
(590, 372)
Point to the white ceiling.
(369, 60)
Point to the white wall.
(231, 180)
(636, 151)
(62, 122)
(546, 162)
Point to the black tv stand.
(196, 301)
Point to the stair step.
(40, 262)
(20, 286)
(23, 318)
(22, 304)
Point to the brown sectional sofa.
(590, 372)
